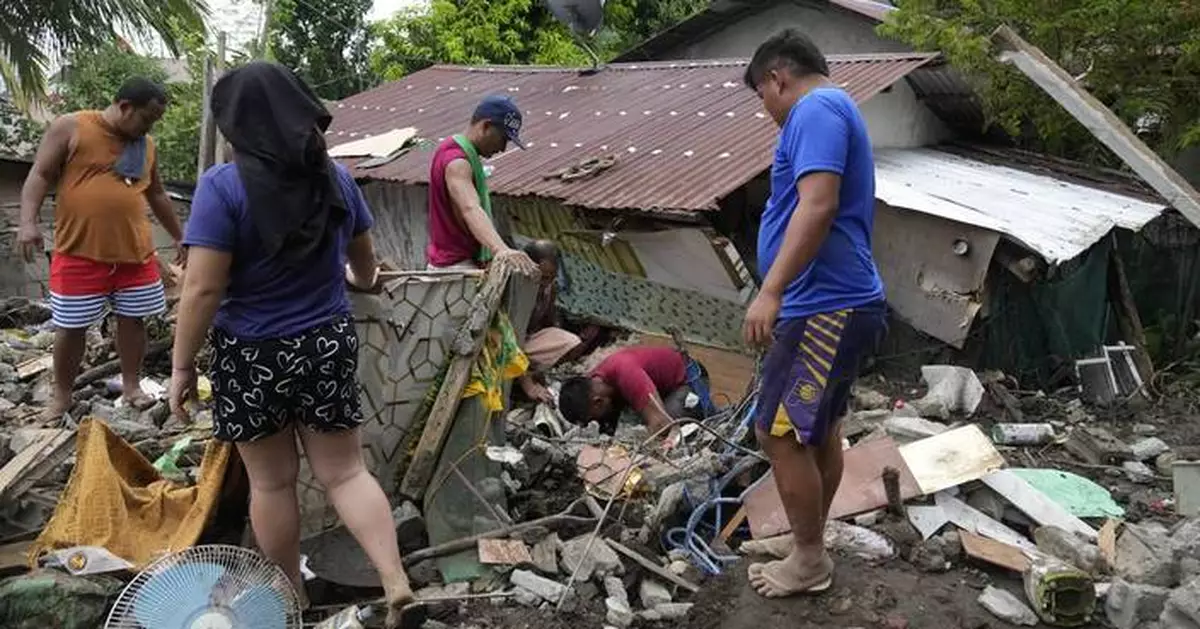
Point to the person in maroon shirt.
(459, 225)
(650, 380)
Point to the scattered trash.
(951, 390)
(1080, 497)
(1061, 595)
(353, 617)
(1007, 607)
(1023, 434)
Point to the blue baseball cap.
(502, 111)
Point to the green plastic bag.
(49, 598)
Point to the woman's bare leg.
(336, 461)
(272, 465)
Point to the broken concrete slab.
(1148, 448)
(673, 611)
(618, 612)
(1128, 605)
(548, 590)
(652, 594)
(599, 559)
(952, 389)
(1182, 609)
(1007, 607)
(1097, 446)
(1144, 555)
(544, 554)
(615, 588)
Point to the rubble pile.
(1056, 511)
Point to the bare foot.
(138, 400)
(791, 576)
(778, 547)
(402, 612)
(59, 406)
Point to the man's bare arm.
(460, 183)
(164, 210)
(47, 166)
(806, 231)
(656, 414)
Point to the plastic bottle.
(350, 618)
(1022, 434)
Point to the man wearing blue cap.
(461, 232)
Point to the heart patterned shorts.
(262, 387)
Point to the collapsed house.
(651, 176)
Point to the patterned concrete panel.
(405, 335)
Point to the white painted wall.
(834, 30)
(896, 118)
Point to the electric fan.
(208, 587)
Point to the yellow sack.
(116, 499)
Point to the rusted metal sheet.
(685, 134)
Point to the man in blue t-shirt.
(821, 305)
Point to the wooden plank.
(733, 524)
(861, 489)
(970, 519)
(35, 366)
(1099, 120)
(658, 570)
(994, 552)
(1035, 504)
(14, 558)
(1107, 540)
(1129, 321)
(466, 347)
(49, 448)
(952, 458)
(504, 552)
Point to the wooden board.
(658, 570)
(35, 366)
(1035, 504)
(972, 520)
(49, 448)
(861, 489)
(952, 458)
(466, 345)
(994, 552)
(1107, 540)
(14, 558)
(504, 552)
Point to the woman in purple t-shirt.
(269, 239)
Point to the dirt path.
(894, 595)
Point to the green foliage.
(94, 77)
(326, 43)
(1140, 58)
(510, 32)
(30, 28)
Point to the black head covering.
(276, 124)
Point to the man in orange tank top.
(104, 167)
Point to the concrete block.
(1182, 610)
(652, 594)
(543, 587)
(618, 612)
(1128, 605)
(1007, 607)
(1144, 555)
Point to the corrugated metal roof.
(1056, 219)
(685, 134)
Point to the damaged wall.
(928, 283)
(404, 336)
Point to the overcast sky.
(242, 18)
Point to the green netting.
(1032, 329)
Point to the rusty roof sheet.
(686, 134)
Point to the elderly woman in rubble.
(273, 239)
